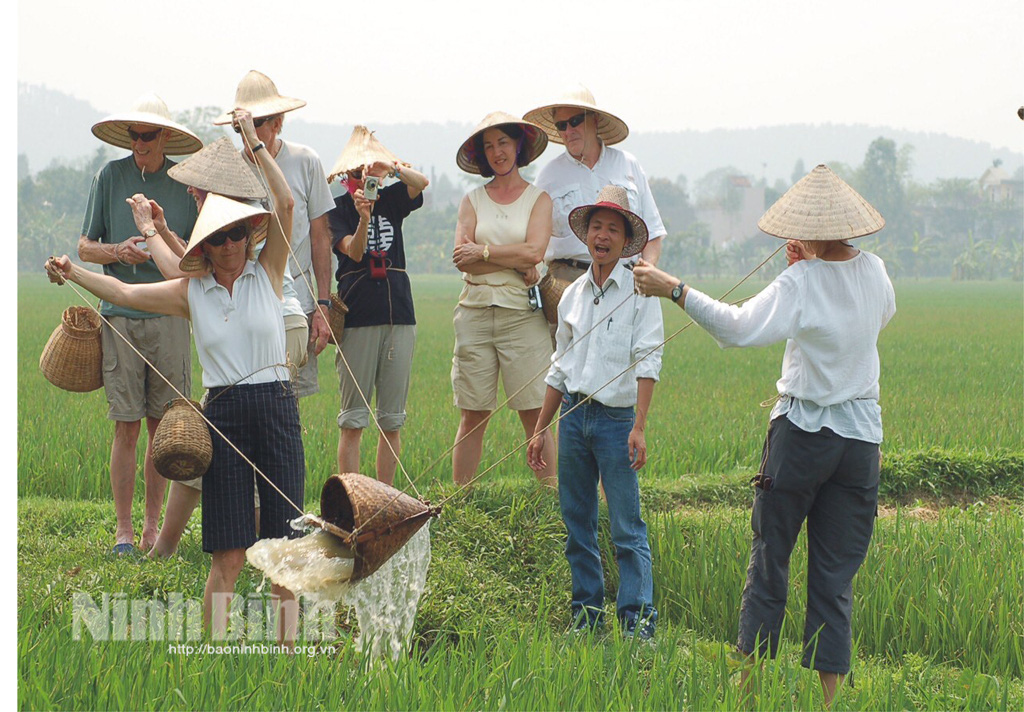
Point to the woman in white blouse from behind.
(821, 457)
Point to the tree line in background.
(949, 228)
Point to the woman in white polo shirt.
(234, 303)
(821, 456)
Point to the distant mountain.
(53, 125)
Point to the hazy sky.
(944, 66)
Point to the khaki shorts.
(495, 339)
(135, 390)
(305, 381)
(296, 342)
(380, 358)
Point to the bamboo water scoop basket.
(350, 502)
(182, 447)
(73, 356)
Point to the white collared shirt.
(629, 328)
(237, 333)
(570, 183)
(830, 314)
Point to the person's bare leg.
(181, 502)
(348, 449)
(829, 682)
(750, 666)
(386, 462)
(549, 475)
(220, 585)
(156, 485)
(122, 477)
(286, 608)
(466, 454)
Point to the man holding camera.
(311, 237)
(577, 176)
(110, 238)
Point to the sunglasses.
(145, 136)
(573, 121)
(235, 234)
(255, 122)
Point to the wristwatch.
(487, 253)
(677, 292)
(149, 233)
(324, 302)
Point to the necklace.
(597, 294)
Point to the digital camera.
(370, 186)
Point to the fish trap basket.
(73, 357)
(182, 447)
(385, 517)
(551, 289)
(336, 319)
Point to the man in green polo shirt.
(134, 389)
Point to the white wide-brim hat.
(535, 140)
(258, 95)
(821, 206)
(149, 109)
(362, 149)
(218, 213)
(219, 168)
(612, 197)
(610, 128)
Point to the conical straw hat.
(612, 197)
(386, 518)
(151, 110)
(610, 128)
(219, 168)
(362, 149)
(534, 140)
(218, 213)
(821, 206)
(259, 96)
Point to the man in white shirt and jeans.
(577, 176)
(603, 328)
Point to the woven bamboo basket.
(182, 447)
(73, 357)
(551, 289)
(336, 318)
(350, 501)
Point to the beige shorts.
(305, 381)
(495, 339)
(135, 390)
(296, 342)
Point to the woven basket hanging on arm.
(182, 446)
(336, 319)
(73, 356)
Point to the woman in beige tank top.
(502, 233)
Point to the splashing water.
(319, 567)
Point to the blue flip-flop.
(124, 549)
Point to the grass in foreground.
(935, 627)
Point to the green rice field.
(938, 620)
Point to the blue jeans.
(593, 443)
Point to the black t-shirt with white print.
(372, 302)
